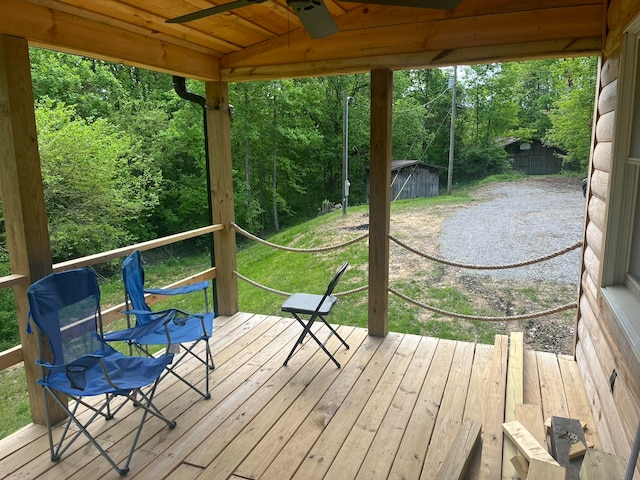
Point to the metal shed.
(532, 156)
(412, 179)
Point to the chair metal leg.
(307, 331)
(207, 362)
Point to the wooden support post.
(219, 143)
(23, 201)
(380, 200)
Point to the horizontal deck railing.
(13, 356)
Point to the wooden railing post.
(220, 168)
(380, 200)
(23, 201)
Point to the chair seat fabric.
(127, 373)
(190, 331)
(307, 303)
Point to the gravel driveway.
(519, 221)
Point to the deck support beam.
(23, 202)
(221, 174)
(380, 200)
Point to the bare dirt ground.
(528, 234)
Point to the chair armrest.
(128, 334)
(195, 287)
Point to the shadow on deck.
(392, 411)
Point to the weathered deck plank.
(391, 411)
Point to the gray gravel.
(519, 221)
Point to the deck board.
(391, 411)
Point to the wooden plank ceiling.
(267, 41)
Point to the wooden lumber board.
(564, 433)
(292, 436)
(554, 401)
(450, 418)
(477, 398)
(600, 465)
(577, 400)
(542, 470)
(514, 396)
(332, 434)
(356, 445)
(531, 379)
(526, 443)
(530, 416)
(455, 464)
(521, 464)
(413, 448)
(493, 411)
(576, 450)
(258, 416)
(385, 445)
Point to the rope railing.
(287, 294)
(430, 308)
(300, 250)
(487, 267)
(480, 318)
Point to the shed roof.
(400, 164)
(505, 142)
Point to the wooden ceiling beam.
(439, 58)
(574, 30)
(62, 31)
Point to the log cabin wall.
(608, 364)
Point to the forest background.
(123, 157)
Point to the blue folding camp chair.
(178, 329)
(76, 363)
(314, 307)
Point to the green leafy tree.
(94, 189)
(571, 116)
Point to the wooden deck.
(391, 411)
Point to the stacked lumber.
(535, 462)
(562, 447)
(571, 457)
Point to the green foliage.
(14, 399)
(479, 161)
(93, 189)
(572, 114)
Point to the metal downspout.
(180, 87)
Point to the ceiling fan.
(314, 14)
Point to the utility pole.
(452, 133)
(345, 154)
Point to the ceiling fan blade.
(315, 17)
(213, 10)
(436, 4)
